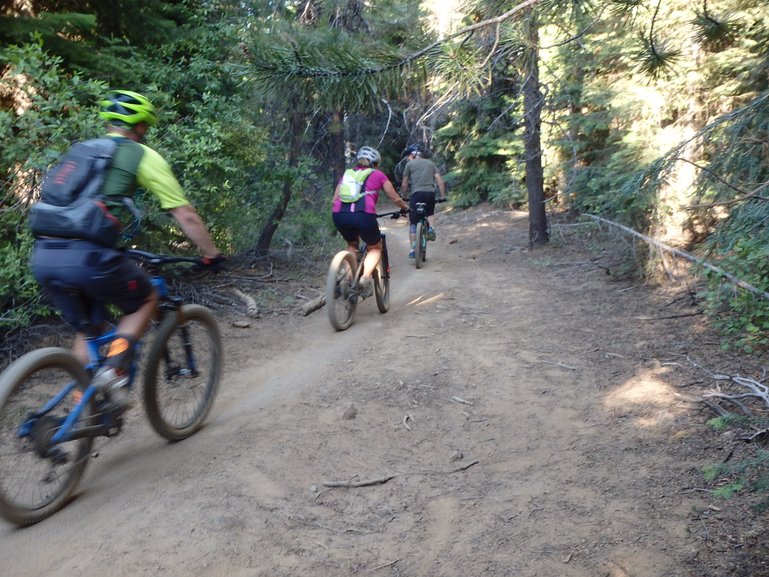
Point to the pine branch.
(339, 72)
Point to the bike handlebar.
(394, 214)
(161, 259)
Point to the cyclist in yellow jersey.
(103, 274)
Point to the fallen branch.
(685, 255)
(353, 484)
(251, 309)
(464, 468)
(451, 472)
(378, 567)
(560, 364)
(758, 434)
(678, 316)
(313, 305)
(754, 390)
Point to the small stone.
(350, 413)
(456, 456)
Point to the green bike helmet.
(127, 108)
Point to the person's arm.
(192, 225)
(154, 174)
(441, 185)
(393, 195)
(405, 185)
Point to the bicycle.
(51, 413)
(420, 250)
(343, 291)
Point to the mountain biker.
(420, 176)
(103, 274)
(357, 221)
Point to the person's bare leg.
(373, 256)
(136, 324)
(80, 349)
(113, 376)
(133, 325)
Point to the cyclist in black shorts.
(356, 221)
(421, 176)
(103, 274)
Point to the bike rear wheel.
(37, 477)
(382, 287)
(184, 366)
(340, 300)
(420, 250)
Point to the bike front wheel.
(340, 300)
(37, 392)
(184, 366)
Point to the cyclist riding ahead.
(420, 176)
(354, 208)
(82, 275)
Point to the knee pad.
(413, 228)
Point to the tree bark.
(336, 146)
(532, 107)
(295, 125)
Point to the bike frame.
(94, 345)
(363, 249)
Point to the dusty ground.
(517, 414)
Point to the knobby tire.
(421, 244)
(382, 287)
(339, 306)
(34, 487)
(177, 395)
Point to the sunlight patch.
(422, 300)
(647, 397)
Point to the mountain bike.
(343, 290)
(420, 250)
(51, 412)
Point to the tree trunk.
(336, 146)
(532, 107)
(295, 126)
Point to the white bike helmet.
(369, 154)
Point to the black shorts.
(82, 277)
(358, 225)
(426, 196)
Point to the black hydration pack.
(71, 204)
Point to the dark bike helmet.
(370, 154)
(414, 149)
(127, 108)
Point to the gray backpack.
(71, 204)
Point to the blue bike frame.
(66, 432)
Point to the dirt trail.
(514, 417)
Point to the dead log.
(313, 305)
(251, 309)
